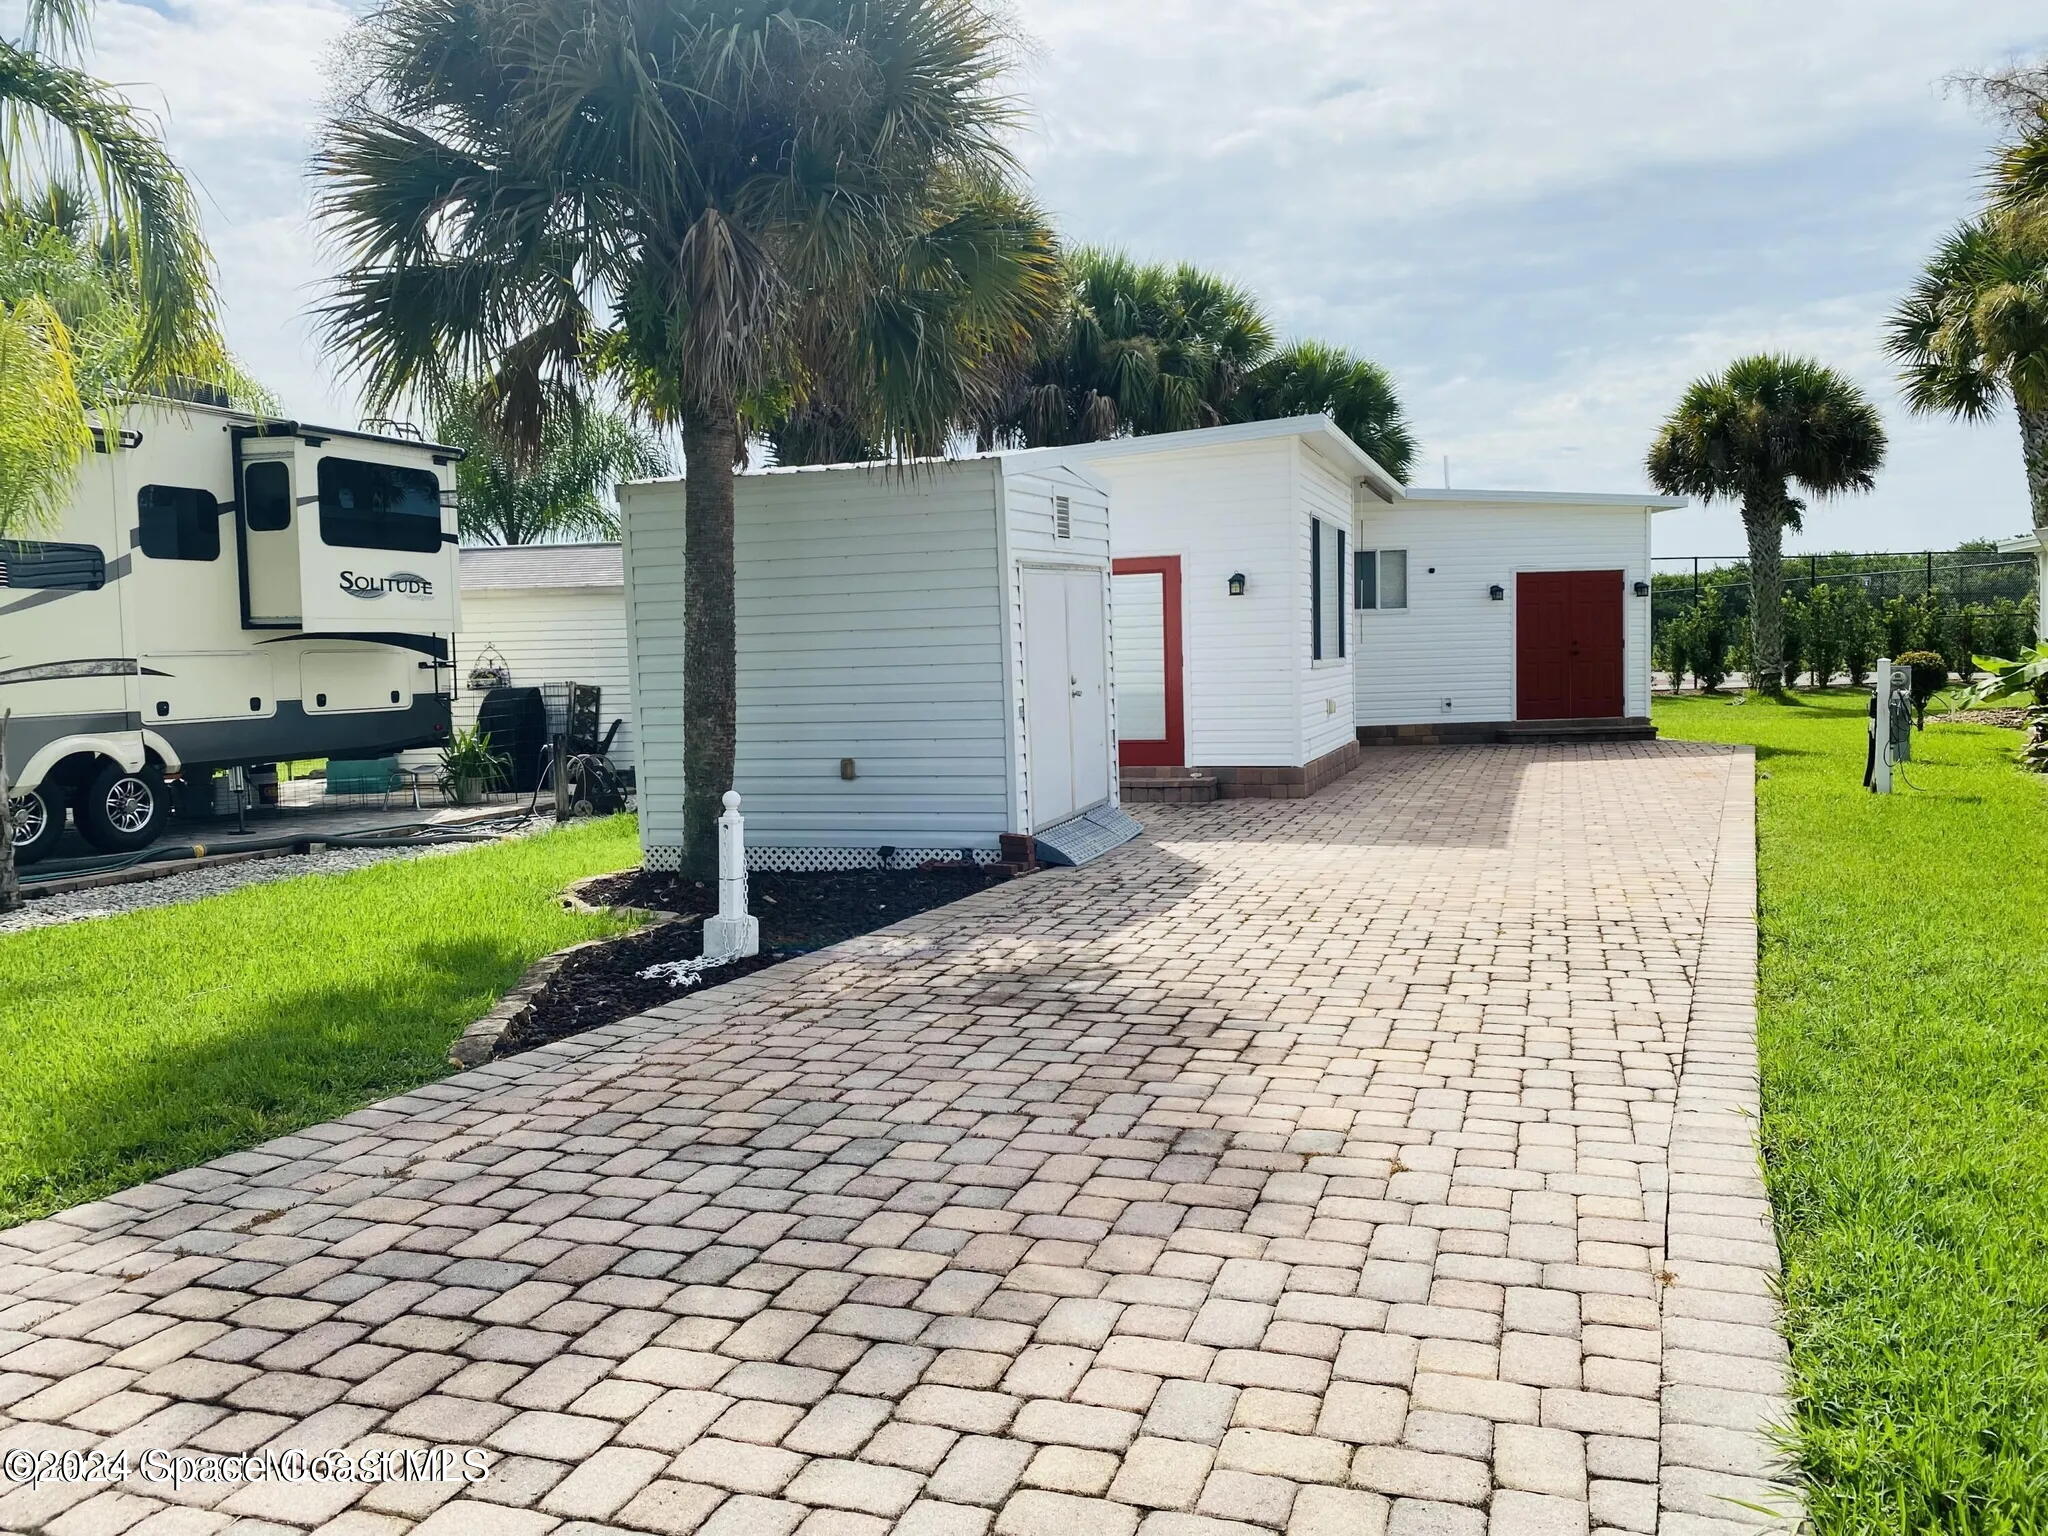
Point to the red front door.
(1568, 645)
(1151, 729)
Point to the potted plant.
(469, 767)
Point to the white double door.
(1066, 692)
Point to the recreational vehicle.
(223, 590)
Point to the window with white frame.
(1326, 590)
(1381, 578)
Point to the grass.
(1904, 1040)
(134, 1045)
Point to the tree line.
(1769, 432)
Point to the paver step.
(1175, 789)
(1616, 728)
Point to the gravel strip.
(196, 884)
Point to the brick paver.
(1379, 1162)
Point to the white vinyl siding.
(572, 635)
(1326, 685)
(1453, 641)
(877, 621)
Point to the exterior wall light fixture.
(1237, 584)
(1497, 592)
(1642, 589)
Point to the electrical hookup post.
(1891, 725)
(733, 933)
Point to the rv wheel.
(119, 811)
(38, 823)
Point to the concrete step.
(1618, 728)
(1169, 789)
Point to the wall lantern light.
(1237, 584)
(1497, 592)
(1642, 589)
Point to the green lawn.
(1904, 1034)
(134, 1045)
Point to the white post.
(732, 934)
(1881, 729)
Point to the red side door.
(1151, 714)
(1568, 645)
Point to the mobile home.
(1281, 600)
(924, 659)
(223, 589)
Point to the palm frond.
(1356, 393)
(1764, 421)
(153, 217)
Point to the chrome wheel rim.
(31, 818)
(130, 804)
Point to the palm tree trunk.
(1766, 530)
(2034, 449)
(711, 443)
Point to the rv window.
(179, 523)
(267, 496)
(379, 506)
(65, 567)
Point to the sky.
(1544, 217)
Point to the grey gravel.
(193, 885)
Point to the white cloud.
(1545, 217)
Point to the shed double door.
(1066, 692)
(1568, 645)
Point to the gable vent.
(1062, 518)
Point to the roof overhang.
(1318, 432)
(2023, 544)
(1623, 502)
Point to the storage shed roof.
(541, 565)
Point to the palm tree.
(1141, 348)
(1746, 435)
(970, 299)
(561, 490)
(58, 125)
(1313, 376)
(1973, 331)
(726, 188)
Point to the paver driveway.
(1374, 1161)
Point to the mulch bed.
(2013, 718)
(798, 913)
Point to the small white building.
(1281, 598)
(1490, 614)
(1232, 552)
(552, 613)
(924, 659)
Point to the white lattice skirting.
(804, 860)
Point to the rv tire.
(38, 823)
(118, 811)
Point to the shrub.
(1930, 676)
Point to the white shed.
(554, 613)
(1487, 615)
(1232, 551)
(924, 658)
